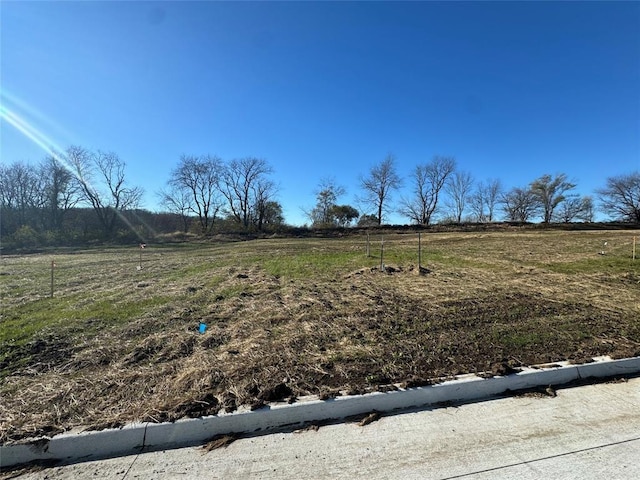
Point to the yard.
(119, 340)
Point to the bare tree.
(238, 184)
(484, 200)
(520, 204)
(550, 192)
(428, 181)
(36, 195)
(327, 194)
(179, 202)
(620, 198)
(61, 191)
(575, 207)
(264, 190)
(194, 187)
(379, 184)
(101, 180)
(587, 210)
(21, 194)
(459, 187)
(492, 197)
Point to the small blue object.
(202, 328)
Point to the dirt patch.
(44, 353)
(370, 418)
(219, 441)
(193, 408)
(277, 393)
(161, 348)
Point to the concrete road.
(587, 432)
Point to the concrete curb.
(136, 438)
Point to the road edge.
(139, 437)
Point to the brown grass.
(292, 317)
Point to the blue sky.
(512, 90)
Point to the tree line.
(207, 188)
(82, 195)
(439, 192)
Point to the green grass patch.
(308, 264)
(521, 340)
(23, 323)
(599, 264)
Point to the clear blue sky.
(512, 90)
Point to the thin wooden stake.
(634, 249)
(368, 248)
(419, 252)
(52, 268)
(381, 254)
(142, 247)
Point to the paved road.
(588, 432)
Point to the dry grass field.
(287, 317)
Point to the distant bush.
(25, 237)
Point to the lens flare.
(17, 121)
(28, 131)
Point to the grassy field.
(119, 339)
